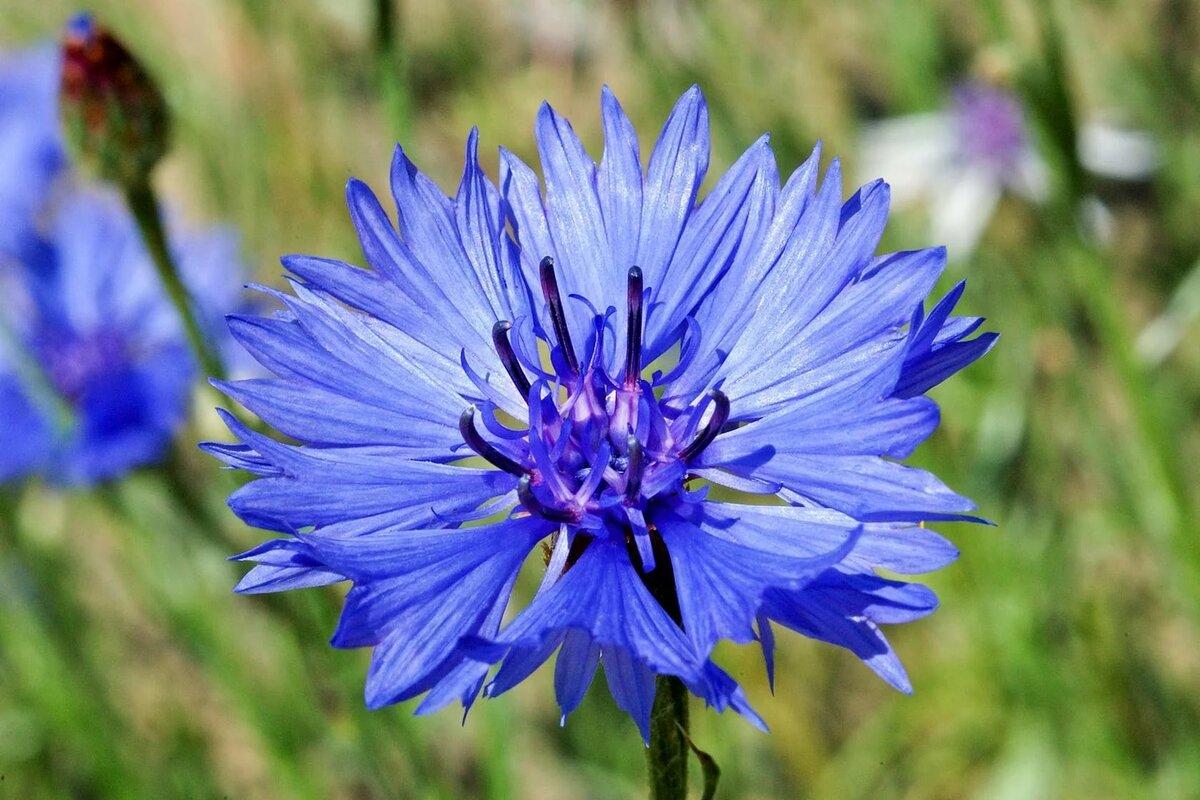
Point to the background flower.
(960, 161)
(94, 371)
(89, 314)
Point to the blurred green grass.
(1065, 662)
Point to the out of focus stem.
(667, 755)
(145, 208)
(391, 66)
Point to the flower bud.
(113, 114)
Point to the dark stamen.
(484, 448)
(633, 340)
(508, 357)
(558, 314)
(716, 421)
(534, 506)
(633, 472)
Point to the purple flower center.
(991, 125)
(73, 362)
(599, 447)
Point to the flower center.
(598, 447)
(991, 125)
(73, 362)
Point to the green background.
(1065, 660)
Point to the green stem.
(144, 206)
(667, 755)
(390, 66)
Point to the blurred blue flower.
(758, 345)
(88, 318)
(31, 146)
(95, 374)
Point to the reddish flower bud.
(113, 113)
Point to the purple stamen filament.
(484, 448)
(633, 341)
(535, 506)
(558, 314)
(508, 357)
(716, 421)
(633, 472)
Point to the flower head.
(960, 161)
(575, 368)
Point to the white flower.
(960, 161)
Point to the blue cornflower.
(96, 369)
(95, 374)
(607, 351)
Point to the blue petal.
(427, 220)
(25, 436)
(413, 492)
(316, 416)
(440, 319)
(713, 235)
(126, 418)
(464, 679)
(417, 593)
(880, 600)
(631, 683)
(922, 374)
(574, 669)
(766, 638)
(602, 594)
(357, 288)
(733, 302)
(931, 327)
(865, 487)
(807, 615)
(239, 456)
(720, 692)
(522, 198)
(775, 322)
(810, 532)
(575, 220)
(720, 582)
(619, 183)
(425, 215)
(413, 369)
(32, 154)
(890, 428)
(868, 313)
(481, 228)
(266, 578)
(676, 169)
(520, 664)
(358, 371)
